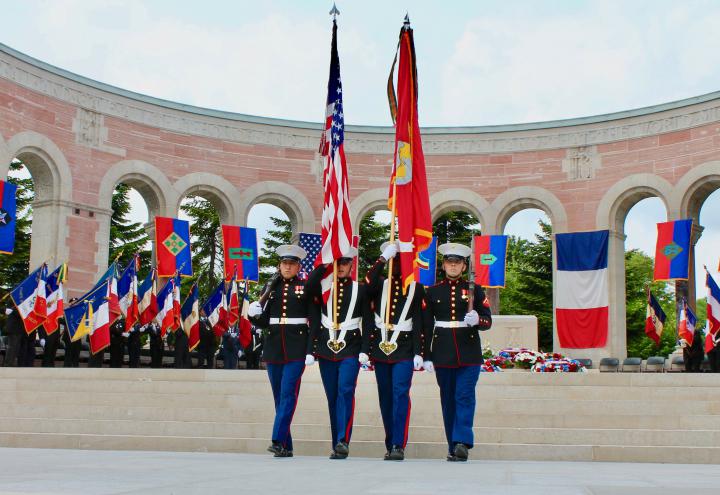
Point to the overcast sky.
(479, 62)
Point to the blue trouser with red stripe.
(457, 398)
(285, 382)
(340, 379)
(393, 382)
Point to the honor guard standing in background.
(395, 349)
(117, 343)
(14, 331)
(453, 346)
(283, 311)
(337, 342)
(208, 343)
(134, 346)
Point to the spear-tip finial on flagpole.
(406, 22)
(334, 12)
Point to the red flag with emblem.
(408, 197)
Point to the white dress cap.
(455, 250)
(290, 252)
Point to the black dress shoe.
(386, 457)
(284, 453)
(337, 455)
(461, 452)
(342, 448)
(275, 448)
(451, 458)
(397, 454)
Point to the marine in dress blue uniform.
(396, 349)
(337, 350)
(453, 347)
(285, 317)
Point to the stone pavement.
(55, 471)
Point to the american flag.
(311, 244)
(336, 224)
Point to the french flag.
(55, 298)
(232, 303)
(177, 303)
(100, 317)
(166, 315)
(191, 318)
(30, 299)
(215, 310)
(713, 313)
(147, 298)
(581, 295)
(672, 251)
(127, 286)
(687, 322)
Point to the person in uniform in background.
(395, 351)
(134, 346)
(208, 343)
(453, 346)
(157, 345)
(231, 348)
(338, 349)
(693, 354)
(14, 331)
(49, 343)
(284, 315)
(714, 354)
(182, 353)
(117, 343)
(72, 348)
(26, 356)
(254, 349)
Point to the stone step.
(314, 388)
(311, 374)
(366, 400)
(617, 453)
(319, 416)
(433, 434)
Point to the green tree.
(280, 234)
(14, 268)
(372, 236)
(126, 237)
(528, 284)
(205, 244)
(638, 277)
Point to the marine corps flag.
(408, 198)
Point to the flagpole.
(335, 302)
(471, 276)
(393, 214)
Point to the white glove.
(258, 331)
(309, 360)
(126, 334)
(683, 343)
(428, 365)
(390, 251)
(240, 353)
(363, 358)
(255, 309)
(8, 311)
(143, 328)
(417, 362)
(472, 318)
(42, 343)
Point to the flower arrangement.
(527, 359)
(499, 362)
(511, 352)
(488, 367)
(559, 366)
(487, 352)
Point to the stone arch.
(693, 189)
(365, 203)
(52, 181)
(48, 166)
(626, 193)
(291, 201)
(458, 199)
(519, 198)
(148, 180)
(212, 187)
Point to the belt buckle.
(454, 324)
(283, 320)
